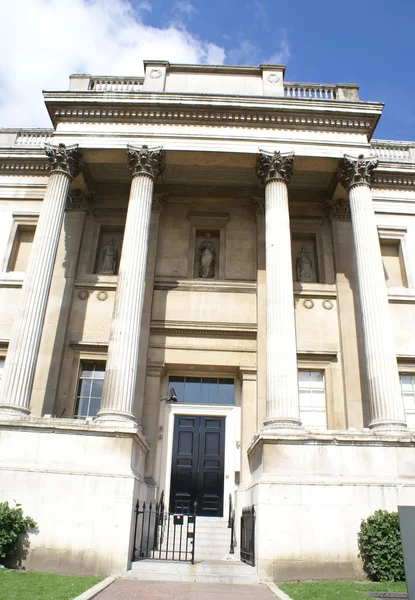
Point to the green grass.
(338, 590)
(28, 585)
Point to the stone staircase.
(205, 571)
(213, 563)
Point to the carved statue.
(207, 257)
(304, 265)
(109, 258)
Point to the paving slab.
(133, 589)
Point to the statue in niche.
(304, 265)
(109, 258)
(207, 257)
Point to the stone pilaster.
(64, 165)
(385, 400)
(121, 371)
(275, 171)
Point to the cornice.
(206, 109)
(199, 285)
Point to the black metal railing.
(162, 535)
(231, 525)
(248, 535)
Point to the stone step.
(215, 571)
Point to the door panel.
(198, 465)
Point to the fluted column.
(121, 371)
(64, 165)
(275, 171)
(387, 411)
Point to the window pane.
(87, 369)
(303, 376)
(99, 371)
(96, 391)
(94, 407)
(82, 410)
(226, 391)
(192, 390)
(178, 384)
(84, 388)
(406, 382)
(209, 390)
(2, 359)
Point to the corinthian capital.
(145, 161)
(79, 200)
(64, 159)
(275, 167)
(357, 171)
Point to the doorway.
(197, 473)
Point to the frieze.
(227, 117)
(26, 167)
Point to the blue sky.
(321, 41)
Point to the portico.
(239, 247)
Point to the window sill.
(97, 282)
(12, 279)
(205, 285)
(398, 295)
(314, 290)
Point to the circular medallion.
(155, 73)
(83, 294)
(102, 296)
(274, 78)
(327, 304)
(308, 303)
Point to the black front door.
(198, 465)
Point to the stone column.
(387, 411)
(64, 165)
(121, 371)
(275, 171)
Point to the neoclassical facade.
(208, 290)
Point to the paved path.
(134, 589)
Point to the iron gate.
(162, 535)
(248, 535)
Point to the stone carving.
(357, 171)
(309, 304)
(304, 267)
(158, 203)
(274, 78)
(64, 159)
(109, 258)
(339, 210)
(146, 161)
(83, 294)
(327, 304)
(102, 296)
(275, 167)
(155, 73)
(79, 200)
(207, 258)
(259, 205)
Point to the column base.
(113, 418)
(388, 426)
(8, 411)
(279, 423)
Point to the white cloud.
(281, 56)
(44, 41)
(184, 6)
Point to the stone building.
(207, 288)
